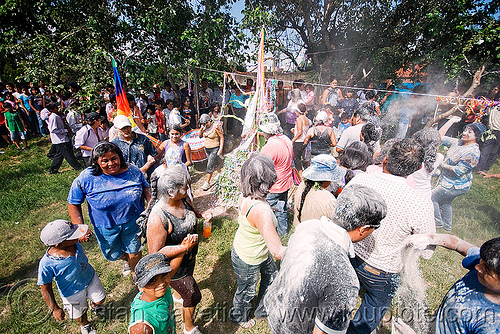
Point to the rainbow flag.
(122, 105)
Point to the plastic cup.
(207, 228)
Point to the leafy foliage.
(341, 38)
(63, 41)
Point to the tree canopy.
(343, 38)
(61, 41)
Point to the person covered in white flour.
(316, 288)
(379, 257)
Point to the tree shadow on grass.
(24, 272)
(494, 216)
(222, 284)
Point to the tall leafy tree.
(349, 38)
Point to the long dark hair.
(309, 184)
(99, 150)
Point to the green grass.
(31, 197)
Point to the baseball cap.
(150, 266)
(322, 117)
(61, 230)
(156, 86)
(93, 116)
(121, 121)
(323, 167)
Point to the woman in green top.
(15, 124)
(256, 241)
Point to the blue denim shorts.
(118, 239)
(17, 135)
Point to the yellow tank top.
(248, 242)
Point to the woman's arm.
(309, 135)
(448, 125)
(75, 213)
(147, 194)
(221, 139)
(324, 96)
(332, 137)
(157, 236)
(176, 253)
(261, 217)
(202, 129)
(300, 126)
(187, 150)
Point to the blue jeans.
(442, 198)
(380, 289)
(278, 204)
(247, 276)
(42, 126)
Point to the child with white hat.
(66, 263)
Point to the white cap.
(121, 121)
(61, 230)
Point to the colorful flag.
(122, 105)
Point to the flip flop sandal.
(248, 324)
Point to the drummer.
(214, 143)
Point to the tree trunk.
(476, 81)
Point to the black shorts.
(188, 289)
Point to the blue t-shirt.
(72, 274)
(26, 101)
(238, 101)
(465, 309)
(343, 126)
(112, 200)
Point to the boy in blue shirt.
(472, 305)
(66, 263)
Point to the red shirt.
(279, 148)
(159, 120)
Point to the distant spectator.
(16, 125)
(205, 96)
(63, 149)
(88, 137)
(332, 95)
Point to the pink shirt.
(279, 148)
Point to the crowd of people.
(360, 202)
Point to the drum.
(197, 145)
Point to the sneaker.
(97, 310)
(126, 269)
(87, 329)
(193, 331)
(205, 186)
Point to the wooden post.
(196, 83)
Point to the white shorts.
(76, 304)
